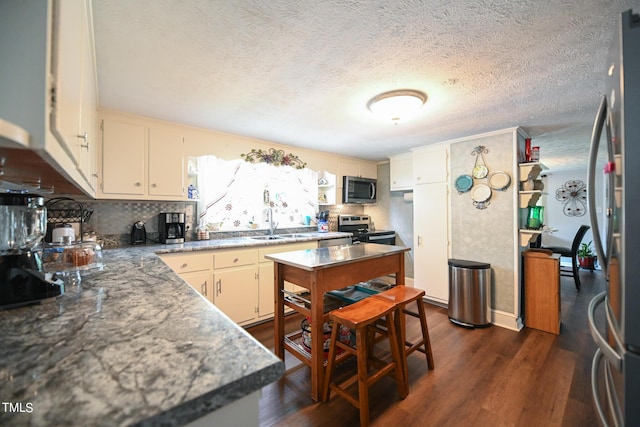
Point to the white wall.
(553, 214)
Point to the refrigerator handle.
(595, 387)
(612, 397)
(598, 124)
(609, 352)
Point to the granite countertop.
(133, 344)
(313, 259)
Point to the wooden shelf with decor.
(529, 197)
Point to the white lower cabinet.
(195, 269)
(235, 282)
(236, 292)
(431, 241)
(201, 281)
(266, 297)
(239, 282)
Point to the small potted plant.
(586, 256)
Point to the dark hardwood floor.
(482, 377)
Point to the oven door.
(382, 239)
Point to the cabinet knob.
(235, 260)
(137, 184)
(154, 185)
(184, 265)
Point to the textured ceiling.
(301, 72)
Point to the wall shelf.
(533, 168)
(528, 198)
(528, 236)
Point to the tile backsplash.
(112, 219)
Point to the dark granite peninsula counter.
(133, 344)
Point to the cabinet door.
(88, 117)
(166, 170)
(430, 165)
(66, 67)
(401, 172)
(431, 242)
(201, 281)
(236, 292)
(123, 154)
(266, 297)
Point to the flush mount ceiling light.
(397, 105)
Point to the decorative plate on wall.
(481, 194)
(463, 183)
(499, 181)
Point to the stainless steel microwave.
(358, 190)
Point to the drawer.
(285, 248)
(187, 262)
(235, 258)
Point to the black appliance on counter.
(360, 226)
(171, 227)
(138, 233)
(23, 219)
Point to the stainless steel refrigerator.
(615, 374)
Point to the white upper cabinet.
(74, 105)
(66, 67)
(123, 158)
(49, 87)
(356, 168)
(166, 165)
(430, 164)
(401, 172)
(88, 132)
(141, 160)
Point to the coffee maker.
(171, 227)
(23, 219)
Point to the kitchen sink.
(266, 237)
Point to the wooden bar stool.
(362, 317)
(402, 296)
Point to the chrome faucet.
(272, 225)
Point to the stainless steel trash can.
(469, 293)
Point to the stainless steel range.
(360, 226)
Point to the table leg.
(317, 342)
(278, 316)
(401, 326)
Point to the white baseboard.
(498, 318)
(506, 320)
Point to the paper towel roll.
(408, 197)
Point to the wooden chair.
(361, 317)
(571, 253)
(402, 296)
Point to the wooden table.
(322, 270)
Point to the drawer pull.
(203, 288)
(235, 260)
(184, 265)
